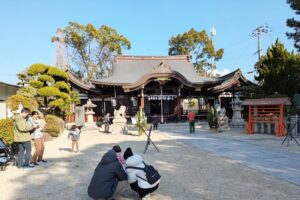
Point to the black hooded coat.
(106, 176)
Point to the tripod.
(289, 134)
(149, 141)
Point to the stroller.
(5, 155)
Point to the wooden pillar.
(280, 127)
(178, 109)
(161, 105)
(142, 99)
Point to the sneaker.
(26, 167)
(34, 163)
(43, 161)
(147, 197)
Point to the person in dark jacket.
(155, 122)
(109, 178)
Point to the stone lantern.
(90, 124)
(237, 120)
(89, 111)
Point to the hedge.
(54, 125)
(14, 101)
(7, 131)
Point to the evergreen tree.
(279, 71)
(197, 45)
(295, 24)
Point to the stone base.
(90, 127)
(240, 123)
(119, 127)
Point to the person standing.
(191, 118)
(43, 124)
(155, 122)
(22, 137)
(106, 121)
(37, 137)
(74, 134)
(109, 178)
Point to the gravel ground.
(187, 172)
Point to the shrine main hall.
(164, 86)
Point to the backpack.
(151, 173)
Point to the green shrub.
(7, 131)
(37, 69)
(57, 103)
(54, 125)
(141, 120)
(14, 101)
(63, 86)
(46, 78)
(36, 84)
(58, 73)
(212, 118)
(48, 91)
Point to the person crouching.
(136, 177)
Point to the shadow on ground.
(187, 173)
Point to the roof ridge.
(132, 57)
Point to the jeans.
(192, 126)
(106, 127)
(24, 147)
(141, 191)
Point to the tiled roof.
(269, 101)
(229, 80)
(129, 69)
(7, 84)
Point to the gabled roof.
(229, 80)
(267, 101)
(80, 84)
(132, 70)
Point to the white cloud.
(221, 73)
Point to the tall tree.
(279, 71)
(199, 46)
(91, 49)
(295, 5)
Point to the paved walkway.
(260, 152)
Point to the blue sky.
(27, 27)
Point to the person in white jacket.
(136, 177)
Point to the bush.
(141, 120)
(7, 131)
(212, 118)
(57, 73)
(48, 91)
(36, 69)
(54, 125)
(14, 101)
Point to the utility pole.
(258, 33)
(213, 33)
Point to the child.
(75, 135)
(118, 151)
